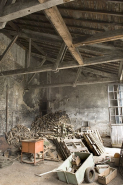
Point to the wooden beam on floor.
(68, 65)
(100, 37)
(22, 8)
(8, 48)
(56, 19)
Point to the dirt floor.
(24, 174)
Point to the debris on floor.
(101, 168)
(67, 146)
(108, 175)
(4, 161)
(59, 137)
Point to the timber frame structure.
(79, 35)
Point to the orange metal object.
(32, 146)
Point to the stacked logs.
(58, 123)
(18, 133)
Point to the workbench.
(32, 146)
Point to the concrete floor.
(24, 174)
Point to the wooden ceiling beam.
(55, 17)
(84, 82)
(64, 65)
(22, 8)
(98, 72)
(100, 37)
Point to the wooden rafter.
(68, 65)
(55, 17)
(84, 82)
(100, 37)
(8, 48)
(22, 8)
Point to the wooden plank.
(22, 8)
(8, 48)
(55, 17)
(100, 37)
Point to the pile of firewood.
(57, 123)
(18, 133)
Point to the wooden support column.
(29, 53)
(32, 77)
(60, 56)
(77, 76)
(7, 108)
(55, 17)
(8, 48)
(120, 72)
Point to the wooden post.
(6, 108)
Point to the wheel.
(89, 175)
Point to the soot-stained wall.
(82, 103)
(18, 110)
